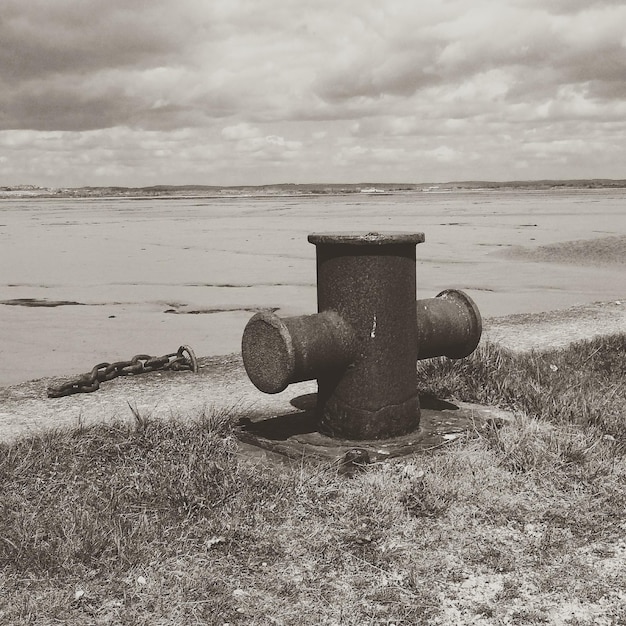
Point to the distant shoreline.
(292, 189)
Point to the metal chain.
(183, 359)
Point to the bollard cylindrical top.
(366, 239)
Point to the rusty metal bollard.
(363, 344)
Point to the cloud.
(84, 64)
(304, 88)
(240, 131)
(40, 38)
(248, 141)
(531, 52)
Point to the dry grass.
(168, 523)
(583, 384)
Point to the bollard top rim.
(366, 239)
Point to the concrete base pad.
(295, 435)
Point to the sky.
(238, 92)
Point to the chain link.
(183, 359)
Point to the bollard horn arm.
(448, 325)
(277, 352)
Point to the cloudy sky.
(144, 92)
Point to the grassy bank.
(169, 523)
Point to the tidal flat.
(88, 280)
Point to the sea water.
(87, 280)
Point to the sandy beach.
(84, 281)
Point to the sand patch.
(602, 251)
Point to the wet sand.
(90, 280)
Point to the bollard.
(363, 344)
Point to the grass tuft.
(583, 384)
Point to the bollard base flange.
(295, 435)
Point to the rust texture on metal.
(277, 352)
(370, 281)
(448, 325)
(363, 344)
